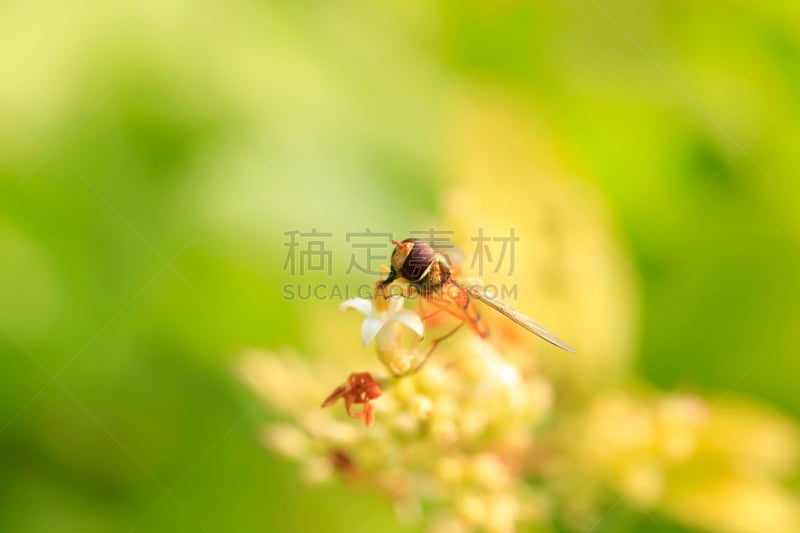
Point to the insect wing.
(523, 320)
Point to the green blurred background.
(152, 156)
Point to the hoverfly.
(430, 273)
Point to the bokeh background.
(152, 155)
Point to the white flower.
(378, 324)
(384, 318)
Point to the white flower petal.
(386, 340)
(396, 304)
(411, 320)
(362, 305)
(369, 328)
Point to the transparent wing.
(509, 312)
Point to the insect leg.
(433, 346)
(440, 303)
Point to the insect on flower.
(431, 274)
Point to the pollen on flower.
(400, 363)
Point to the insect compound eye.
(418, 261)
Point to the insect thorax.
(432, 282)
